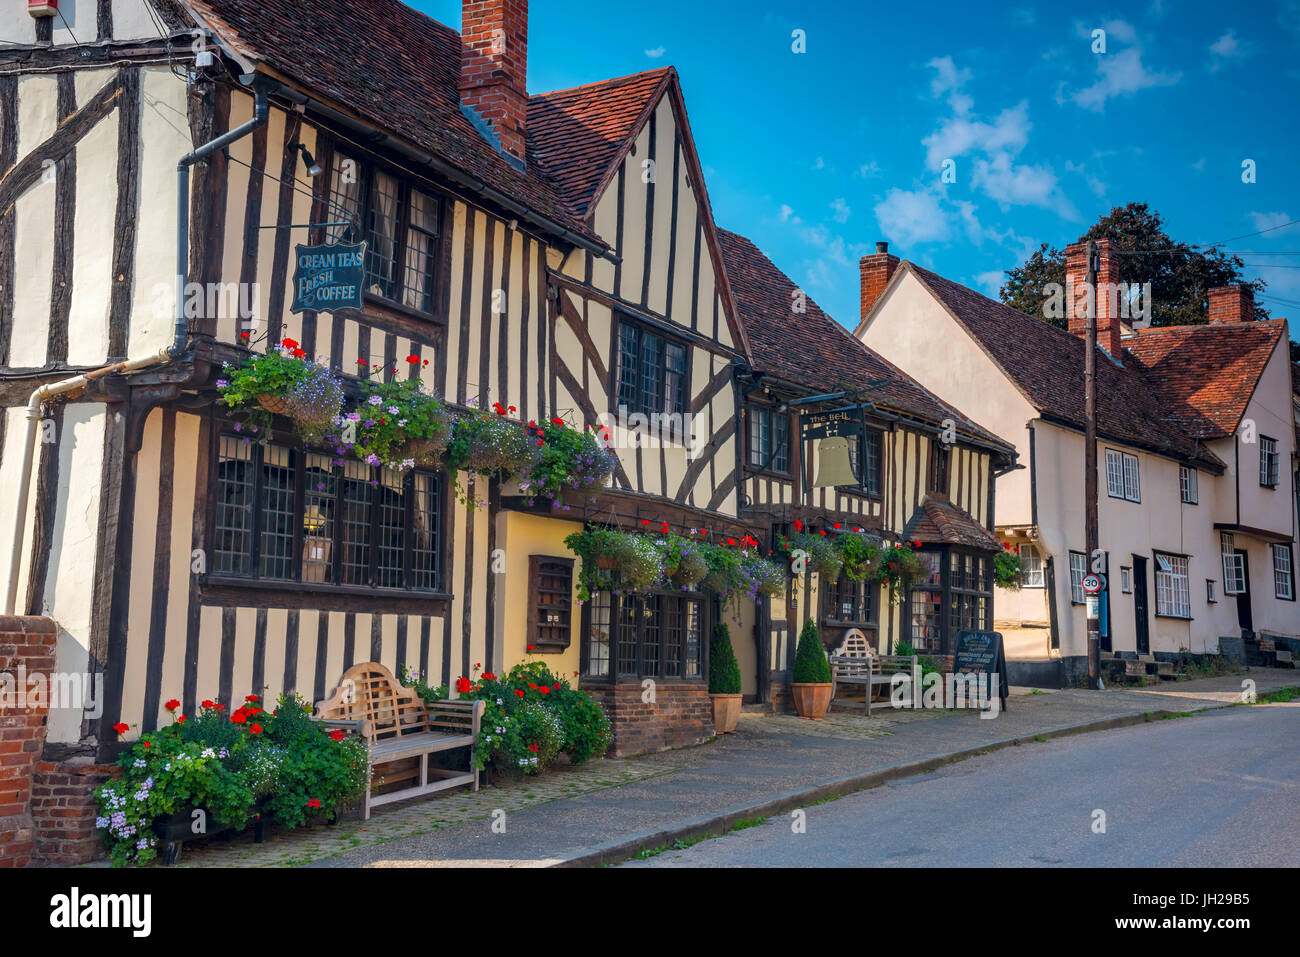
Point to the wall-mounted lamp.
(313, 168)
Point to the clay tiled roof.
(576, 135)
(937, 521)
(391, 66)
(1046, 363)
(1210, 370)
(812, 349)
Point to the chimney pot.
(1108, 296)
(875, 271)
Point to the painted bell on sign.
(833, 465)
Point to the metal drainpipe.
(179, 341)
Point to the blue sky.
(817, 155)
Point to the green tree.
(1180, 274)
(724, 672)
(810, 664)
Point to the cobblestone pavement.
(419, 816)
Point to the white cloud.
(1018, 184)
(1226, 48)
(656, 53)
(959, 135)
(991, 282)
(908, 217)
(840, 210)
(1096, 185)
(949, 79)
(1264, 221)
(869, 170)
(1199, 165)
(1119, 72)
(820, 163)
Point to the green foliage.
(899, 569)
(823, 556)
(761, 576)
(1180, 275)
(415, 679)
(810, 663)
(230, 767)
(490, 444)
(1007, 568)
(390, 415)
(312, 393)
(566, 460)
(531, 716)
(684, 561)
(861, 560)
(638, 563)
(724, 672)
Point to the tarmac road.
(1220, 789)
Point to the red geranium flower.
(147, 744)
(172, 705)
(464, 684)
(557, 421)
(207, 703)
(120, 728)
(530, 647)
(181, 719)
(519, 693)
(798, 525)
(314, 803)
(338, 734)
(489, 676)
(544, 690)
(255, 728)
(414, 360)
(252, 697)
(239, 717)
(289, 343)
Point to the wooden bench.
(855, 664)
(397, 725)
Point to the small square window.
(1126, 580)
(1209, 591)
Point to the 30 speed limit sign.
(1093, 583)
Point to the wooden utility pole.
(1090, 461)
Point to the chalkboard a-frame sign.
(329, 277)
(981, 653)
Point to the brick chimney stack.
(1108, 296)
(1231, 304)
(494, 67)
(875, 272)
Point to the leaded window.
(769, 439)
(643, 636)
(652, 372)
(399, 223)
(293, 515)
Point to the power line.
(1257, 233)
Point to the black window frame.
(936, 479)
(1270, 463)
(617, 665)
(776, 458)
(367, 166)
(872, 483)
(644, 399)
(862, 595)
(251, 570)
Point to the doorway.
(1141, 613)
(1244, 617)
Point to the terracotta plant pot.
(811, 700)
(726, 712)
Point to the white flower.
(375, 400)
(394, 410)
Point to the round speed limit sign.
(1093, 583)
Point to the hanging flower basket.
(900, 569)
(490, 444)
(762, 576)
(686, 558)
(566, 460)
(282, 382)
(823, 557)
(614, 560)
(859, 558)
(1007, 567)
(398, 425)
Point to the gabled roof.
(1212, 370)
(1046, 364)
(576, 135)
(813, 350)
(389, 66)
(937, 521)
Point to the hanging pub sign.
(329, 277)
(836, 433)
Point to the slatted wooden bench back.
(852, 659)
(895, 664)
(368, 692)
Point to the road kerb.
(717, 825)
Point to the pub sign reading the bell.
(836, 433)
(329, 277)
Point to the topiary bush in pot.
(724, 681)
(812, 675)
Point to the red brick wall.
(680, 715)
(26, 643)
(63, 811)
(494, 66)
